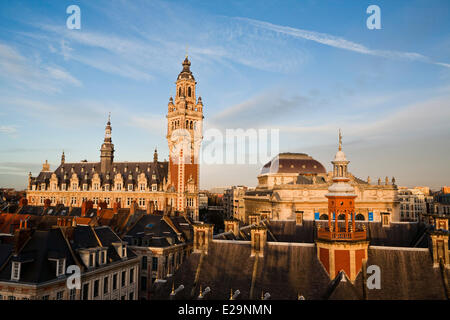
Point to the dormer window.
(60, 267)
(15, 270)
(102, 257)
(154, 176)
(43, 186)
(63, 187)
(85, 187)
(107, 187)
(124, 251)
(74, 186)
(154, 187)
(91, 260)
(142, 186)
(130, 187)
(119, 186)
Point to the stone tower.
(107, 150)
(184, 136)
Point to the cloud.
(35, 75)
(340, 43)
(9, 130)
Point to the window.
(119, 186)
(74, 200)
(95, 200)
(154, 176)
(129, 201)
(124, 278)
(11, 298)
(141, 202)
(72, 294)
(154, 263)
(96, 185)
(143, 283)
(131, 275)
(114, 284)
(85, 187)
(60, 295)
(91, 260)
(107, 200)
(106, 187)
(85, 291)
(131, 295)
(130, 187)
(63, 187)
(102, 257)
(96, 284)
(105, 285)
(46, 297)
(74, 186)
(144, 262)
(142, 186)
(15, 274)
(154, 187)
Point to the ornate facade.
(166, 185)
(295, 183)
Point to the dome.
(186, 72)
(299, 163)
(340, 156)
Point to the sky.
(305, 68)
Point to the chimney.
(258, 241)
(299, 218)
(47, 203)
(439, 242)
(441, 223)
(116, 207)
(254, 219)
(149, 208)
(133, 207)
(23, 202)
(83, 208)
(233, 226)
(203, 235)
(385, 219)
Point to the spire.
(155, 155)
(340, 140)
(107, 149)
(63, 158)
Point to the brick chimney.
(203, 235)
(258, 240)
(23, 202)
(232, 225)
(116, 207)
(150, 207)
(47, 203)
(86, 206)
(133, 207)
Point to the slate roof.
(86, 170)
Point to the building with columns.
(166, 185)
(293, 183)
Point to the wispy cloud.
(9, 130)
(20, 70)
(341, 43)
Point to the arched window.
(179, 92)
(190, 125)
(187, 124)
(324, 217)
(341, 217)
(189, 91)
(360, 217)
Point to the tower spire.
(107, 149)
(63, 158)
(340, 140)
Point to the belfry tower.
(184, 136)
(107, 150)
(341, 245)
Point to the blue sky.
(304, 67)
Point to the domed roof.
(340, 156)
(186, 72)
(288, 162)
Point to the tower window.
(179, 92)
(189, 91)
